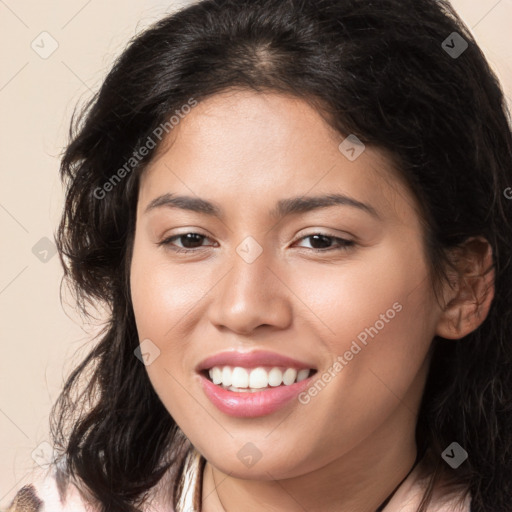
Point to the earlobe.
(469, 301)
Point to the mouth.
(254, 392)
(254, 380)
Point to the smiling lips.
(254, 383)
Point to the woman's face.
(360, 311)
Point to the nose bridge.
(250, 293)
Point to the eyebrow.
(283, 208)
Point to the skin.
(351, 445)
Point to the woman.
(368, 372)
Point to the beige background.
(40, 339)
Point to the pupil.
(317, 237)
(189, 238)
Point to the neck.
(359, 481)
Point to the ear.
(468, 300)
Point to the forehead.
(248, 147)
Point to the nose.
(251, 295)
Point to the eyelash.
(346, 244)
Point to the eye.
(323, 239)
(193, 241)
(189, 240)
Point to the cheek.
(163, 295)
(344, 299)
(377, 314)
(167, 306)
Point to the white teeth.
(302, 374)
(216, 375)
(258, 378)
(243, 390)
(226, 376)
(289, 376)
(242, 379)
(275, 377)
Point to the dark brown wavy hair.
(376, 69)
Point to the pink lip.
(251, 360)
(251, 405)
(260, 403)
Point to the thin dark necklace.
(388, 499)
(379, 509)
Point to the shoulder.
(26, 500)
(41, 494)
